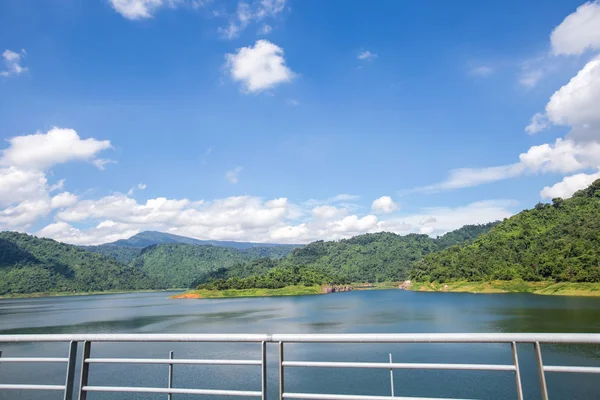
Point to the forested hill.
(179, 265)
(29, 265)
(376, 257)
(371, 257)
(559, 241)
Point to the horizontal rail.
(34, 359)
(582, 370)
(32, 387)
(471, 367)
(548, 338)
(169, 361)
(127, 389)
(318, 396)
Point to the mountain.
(179, 265)
(125, 250)
(148, 238)
(29, 264)
(558, 241)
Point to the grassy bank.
(286, 291)
(514, 286)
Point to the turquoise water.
(385, 311)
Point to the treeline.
(276, 278)
(558, 241)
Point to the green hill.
(374, 257)
(29, 265)
(180, 265)
(558, 241)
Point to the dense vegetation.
(558, 241)
(275, 278)
(123, 254)
(29, 265)
(181, 265)
(373, 257)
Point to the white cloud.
(439, 220)
(384, 205)
(569, 185)
(292, 102)
(328, 212)
(233, 174)
(64, 199)
(366, 55)
(18, 185)
(482, 70)
(247, 13)
(105, 232)
(141, 186)
(539, 122)
(468, 177)
(580, 31)
(12, 63)
(43, 150)
(259, 67)
(137, 9)
(576, 104)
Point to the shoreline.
(546, 288)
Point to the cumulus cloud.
(569, 185)
(233, 175)
(366, 56)
(64, 199)
(328, 212)
(40, 151)
(384, 205)
(580, 31)
(259, 67)
(12, 63)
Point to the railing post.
(281, 388)
(392, 376)
(517, 371)
(170, 382)
(70, 378)
(85, 369)
(543, 387)
(264, 370)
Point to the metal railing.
(281, 339)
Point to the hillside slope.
(29, 264)
(559, 241)
(179, 265)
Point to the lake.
(377, 311)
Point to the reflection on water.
(354, 312)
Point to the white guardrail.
(536, 339)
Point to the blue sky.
(288, 120)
